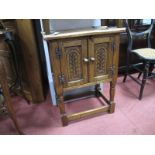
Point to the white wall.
(66, 24)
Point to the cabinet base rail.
(109, 107)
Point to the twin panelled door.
(85, 60)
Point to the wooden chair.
(6, 94)
(145, 55)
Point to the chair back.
(133, 34)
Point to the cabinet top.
(83, 32)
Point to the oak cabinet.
(84, 59)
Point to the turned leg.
(12, 113)
(7, 97)
(112, 94)
(61, 106)
(145, 74)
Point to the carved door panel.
(100, 57)
(74, 62)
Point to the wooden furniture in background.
(46, 25)
(112, 22)
(28, 59)
(5, 91)
(31, 59)
(84, 58)
(123, 41)
(6, 56)
(135, 24)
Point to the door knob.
(92, 59)
(85, 60)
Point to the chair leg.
(127, 67)
(125, 77)
(145, 74)
(12, 112)
(7, 97)
(151, 67)
(139, 75)
(97, 87)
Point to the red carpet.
(131, 115)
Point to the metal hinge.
(61, 78)
(58, 52)
(111, 70)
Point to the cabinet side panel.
(116, 56)
(55, 65)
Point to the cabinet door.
(100, 57)
(74, 62)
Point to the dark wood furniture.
(112, 22)
(5, 91)
(135, 24)
(29, 61)
(146, 56)
(83, 58)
